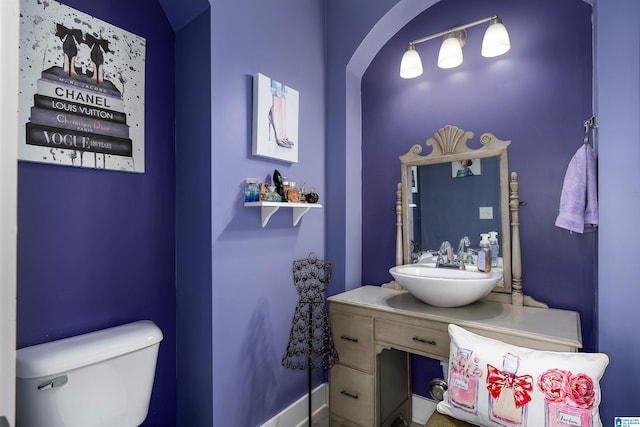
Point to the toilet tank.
(99, 379)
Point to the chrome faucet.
(464, 243)
(462, 246)
(446, 257)
(445, 254)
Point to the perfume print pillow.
(492, 383)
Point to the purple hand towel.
(579, 200)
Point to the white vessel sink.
(445, 287)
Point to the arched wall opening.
(358, 242)
(384, 30)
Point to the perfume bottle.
(312, 196)
(567, 409)
(285, 189)
(271, 195)
(251, 190)
(561, 415)
(463, 381)
(508, 393)
(292, 193)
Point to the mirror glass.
(451, 200)
(453, 192)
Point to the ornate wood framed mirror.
(457, 191)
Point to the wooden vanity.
(375, 329)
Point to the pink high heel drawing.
(277, 115)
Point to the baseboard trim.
(297, 414)
(423, 408)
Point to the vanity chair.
(376, 328)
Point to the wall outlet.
(486, 212)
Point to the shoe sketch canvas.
(81, 90)
(275, 120)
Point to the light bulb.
(411, 64)
(496, 40)
(450, 54)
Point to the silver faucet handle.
(461, 256)
(464, 243)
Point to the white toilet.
(99, 379)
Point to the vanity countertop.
(488, 318)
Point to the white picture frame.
(275, 120)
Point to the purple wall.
(96, 248)
(193, 223)
(253, 293)
(347, 24)
(618, 68)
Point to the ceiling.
(181, 12)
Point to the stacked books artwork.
(75, 108)
(81, 90)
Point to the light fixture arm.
(458, 28)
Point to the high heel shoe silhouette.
(285, 142)
(71, 38)
(97, 57)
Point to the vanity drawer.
(351, 395)
(413, 338)
(353, 338)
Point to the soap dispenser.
(495, 247)
(484, 254)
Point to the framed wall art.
(81, 90)
(275, 120)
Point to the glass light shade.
(450, 55)
(411, 64)
(496, 40)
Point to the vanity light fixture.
(495, 42)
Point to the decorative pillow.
(492, 383)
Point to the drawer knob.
(424, 341)
(347, 338)
(351, 395)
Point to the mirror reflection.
(451, 200)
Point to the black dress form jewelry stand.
(310, 344)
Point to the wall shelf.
(269, 208)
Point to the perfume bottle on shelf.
(251, 190)
(271, 195)
(508, 392)
(312, 196)
(463, 381)
(292, 193)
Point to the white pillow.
(492, 383)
